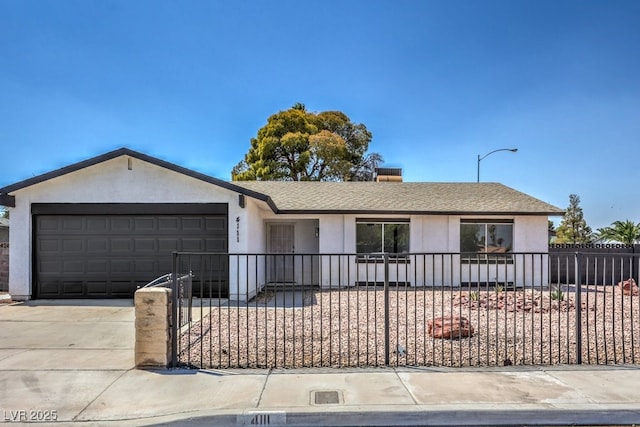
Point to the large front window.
(486, 237)
(382, 236)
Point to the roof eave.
(404, 212)
(9, 200)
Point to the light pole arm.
(513, 150)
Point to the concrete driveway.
(64, 335)
(54, 356)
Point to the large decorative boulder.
(629, 287)
(450, 327)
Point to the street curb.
(420, 417)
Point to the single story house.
(102, 227)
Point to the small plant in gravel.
(498, 288)
(557, 294)
(474, 295)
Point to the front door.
(281, 248)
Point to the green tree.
(573, 228)
(4, 212)
(298, 145)
(551, 231)
(626, 232)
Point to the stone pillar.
(153, 327)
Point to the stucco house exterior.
(101, 227)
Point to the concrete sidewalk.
(74, 362)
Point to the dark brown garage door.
(92, 255)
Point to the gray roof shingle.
(399, 197)
(348, 197)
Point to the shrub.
(557, 294)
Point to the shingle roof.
(399, 197)
(339, 197)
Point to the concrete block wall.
(153, 327)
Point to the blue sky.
(436, 82)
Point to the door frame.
(280, 263)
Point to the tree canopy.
(626, 232)
(573, 228)
(298, 145)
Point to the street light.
(513, 150)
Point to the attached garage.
(102, 227)
(109, 250)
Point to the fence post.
(578, 276)
(386, 309)
(174, 313)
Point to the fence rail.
(337, 310)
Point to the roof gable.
(6, 199)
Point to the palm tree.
(626, 232)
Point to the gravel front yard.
(336, 328)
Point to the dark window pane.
(396, 238)
(368, 238)
(472, 238)
(499, 238)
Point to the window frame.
(487, 257)
(378, 257)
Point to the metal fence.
(181, 293)
(337, 310)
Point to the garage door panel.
(145, 245)
(193, 245)
(97, 245)
(121, 225)
(72, 288)
(48, 224)
(168, 224)
(192, 224)
(101, 256)
(49, 266)
(216, 224)
(215, 245)
(72, 225)
(50, 288)
(97, 266)
(145, 224)
(121, 266)
(120, 289)
(73, 266)
(97, 225)
(48, 245)
(168, 245)
(98, 288)
(145, 266)
(121, 245)
(165, 264)
(73, 246)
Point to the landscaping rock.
(629, 287)
(450, 327)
